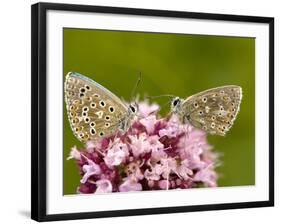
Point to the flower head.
(117, 153)
(130, 184)
(145, 109)
(74, 154)
(154, 154)
(90, 169)
(103, 186)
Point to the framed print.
(139, 111)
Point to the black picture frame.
(39, 122)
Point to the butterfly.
(213, 110)
(93, 111)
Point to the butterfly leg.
(117, 131)
(186, 125)
(186, 134)
(122, 127)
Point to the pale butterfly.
(93, 111)
(213, 110)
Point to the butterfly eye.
(213, 125)
(213, 118)
(195, 105)
(96, 95)
(107, 125)
(200, 112)
(176, 102)
(107, 118)
(101, 133)
(87, 87)
(93, 124)
(81, 95)
(133, 109)
(93, 105)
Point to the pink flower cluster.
(154, 154)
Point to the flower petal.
(130, 185)
(103, 186)
(145, 109)
(149, 123)
(90, 169)
(116, 154)
(74, 154)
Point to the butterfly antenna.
(166, 104)
(163, 95)
(160, 108)
(133, 93)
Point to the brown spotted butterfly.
(93, 111)
(213, 110)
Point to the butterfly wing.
(93, 111)
(213, 110)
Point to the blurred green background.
(170, 64)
